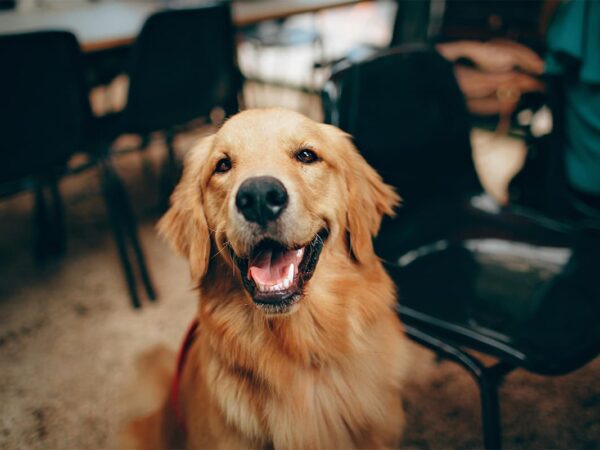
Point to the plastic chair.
(182, 66)
(471, 275)
(44, 115)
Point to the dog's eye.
(224, 165)
(306, 156)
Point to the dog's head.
(267, 193)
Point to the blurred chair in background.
(44, 119)
(182, 67)
(470, 274)
(8, 4)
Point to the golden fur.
(327, 374)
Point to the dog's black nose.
(261, 199)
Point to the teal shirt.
(574, 51)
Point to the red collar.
(183, 351)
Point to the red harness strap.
(183, 351)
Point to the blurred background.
(484, 114)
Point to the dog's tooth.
(300, 252)
(286, 283)
(290, 274)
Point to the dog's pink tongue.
(271, 267)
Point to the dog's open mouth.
(275, 275)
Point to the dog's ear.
(369, 198)
(184, 225)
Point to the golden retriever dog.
(297, 344)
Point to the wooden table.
(109, 24)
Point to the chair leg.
(41, 224)
(170, 170)
(59, 240)
(490, 410)
(131, 230)
(487, 378)
(141, 261)
(125, 218)
(147, 166)
(112, 206)
(489, 383)
(49, 223)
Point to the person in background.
(573, 44)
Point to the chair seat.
(502, 291)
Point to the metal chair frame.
(488, 379)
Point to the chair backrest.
(182, 66)
(408, 118)
(411, 23)
(43, 103)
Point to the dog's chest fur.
(273, 399)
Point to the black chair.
(471, 275)
(44, 115)
(182, 66)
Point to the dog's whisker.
(211, 229)
(225, 245)
(218, 253)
